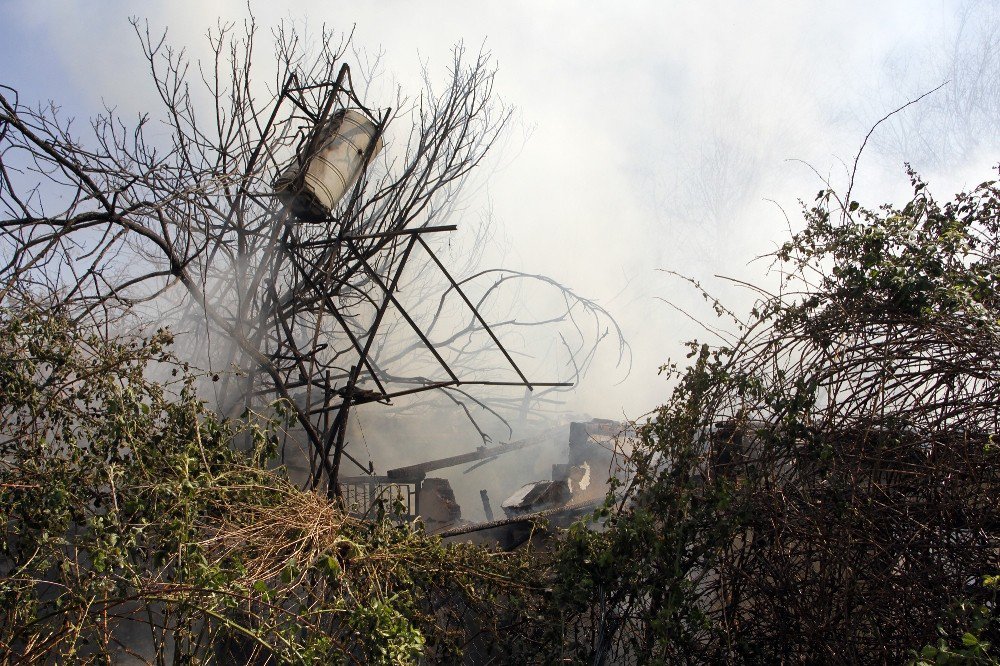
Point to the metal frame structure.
(333, 273)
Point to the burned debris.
(582, 479)
(594, 452)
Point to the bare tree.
(177, 219)
(958, 121)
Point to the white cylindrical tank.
(332, 168)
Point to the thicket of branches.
(823, 487)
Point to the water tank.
(313, 184)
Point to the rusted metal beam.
(399, 306)
(487, 509)
(419, 471)
(402, 232)
(475, 311)
(380, 397)
(384, 234)
(526, 518)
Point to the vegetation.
(823, 487)
(136, 521)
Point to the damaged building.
(575, 487)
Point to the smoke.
(661, 137)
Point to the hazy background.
(649, 136)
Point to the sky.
(649, 136)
